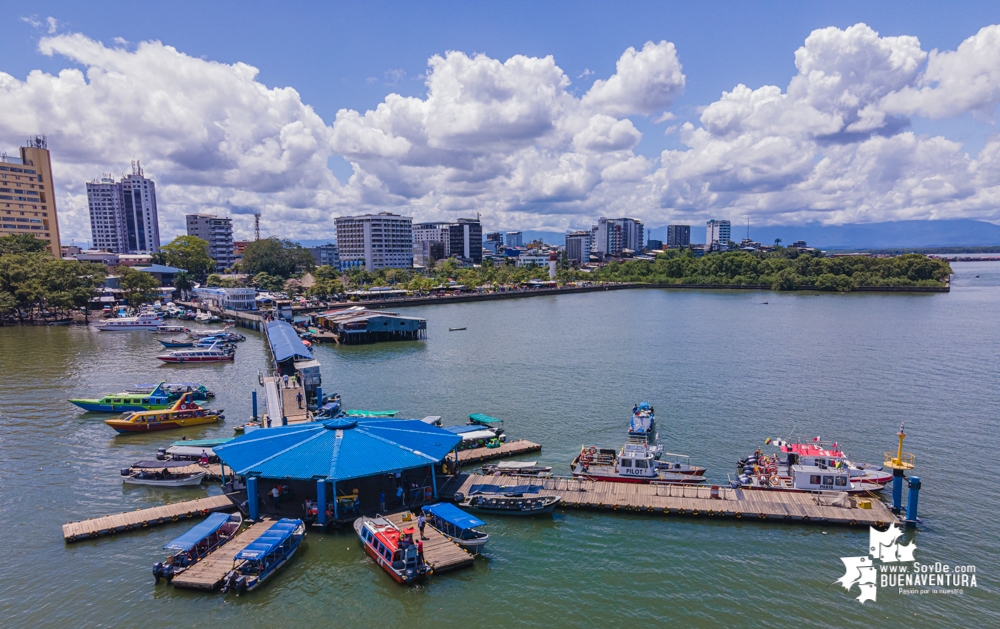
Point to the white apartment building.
(218, 233)
(514, 240)
(717, 235)
(433, 232)
(382, 240)
(123, 217)
(578, 246)
(229, 298)
(107, 224)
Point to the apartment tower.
(27, 195)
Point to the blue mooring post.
(252, 497)
(897, 490)
(911, 501)
(321, 501)
(254, 393)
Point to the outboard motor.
(161, 454)
(458, 497)
(126, 471)
(158, 571)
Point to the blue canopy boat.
(175, 343)
(265, 555)
(456, 525)
(197, 543)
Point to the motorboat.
(360, 413)
(456, 525)
(517, 468)
(203, 317)
(153, 400)
(184, 413)
(392, 548)
(171, 329)
(197, 543)
(145, 321)
(264, 556)
(634, 464)
(176, 343)
(211, 354)
(805, 478)
(821, 453)
(200, 450)
(162, 474)
(642, 428)
(507, 500)
(175, 390)
(678, 464)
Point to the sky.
(537, 116)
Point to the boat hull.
(278, 566)
(515, 512)
(170, 424)
(197, 359)
(194, 479)
(95, 406)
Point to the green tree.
(276, 257)
(189, 253)
(183, 283)
(213, 280)
(21, 243)
(268, 282)
(137, 286)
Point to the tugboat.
(196, 544)
(635, 464)
(264, 556)
(392, 549)
(185, 412)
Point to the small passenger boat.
(393, 549)
(264, 556)
(815, 453)
(805, 478)
(455, 329)
(197, 543)
(184, 413)
(635, 464)
(360, 413)
(191, 450)
(127, 401)
(456, 525)
(145, 321)
(517, 500)
(162, 474)
(171, 329)
(517, 468)
(175, 390)
(176, 343)
(212, 354)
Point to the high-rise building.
(27, 195)
(616, 234)
(633, 233)
(717, 235)
(514, 240)
(678, 236)
(123, 217)
(578, 246)
(218, 233)
(494, 243)
(466, 240)
(326, 255)
(382, 240)
(434, 232)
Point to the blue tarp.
(460, 430)
(450, 513)
(200, 531)
(269, 540)
(504, 489)
(285, 342)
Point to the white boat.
(634, 464)
(807, 478)
(203, 317)
(145, 321)
(161, 477)
(456, 525)
(517, 468)
(821, 453)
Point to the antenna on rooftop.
(748, 228)
(256, 225)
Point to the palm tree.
(182, 282)
(777, 241)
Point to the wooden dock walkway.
(281, 402)
(510, 448)
(687, 500)
(208, 573)
(145, 518)
(440, 553)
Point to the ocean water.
(724, 370)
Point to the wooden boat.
(635, 464)
(197, 543)
(455, 329)
(517, 500)
(145, 321)
(175, 343)
(127, 401)
(162, 474)
(211, 354)
(184, 413)
(456, 525)
(517, 468)
(264, 556)
(806, 478)
(391, 548)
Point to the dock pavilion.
(290, 357)
(344, 463)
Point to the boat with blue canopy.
(264, 556)
(485, 420)
(197, 543)
(456, 525)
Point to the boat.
(145, 321)
(642, 428)
(678, 464)
(211, 354)
(822, 453)
(176, 343)
(455, 329)
(184, 413)
(191, 450)
(175, 390)
(126, 401)
(264, 556)
(805, 478)
(171, 329)
(456, 525)
(517, 468)
(203, 317)
(391, 548)
(162, 474)
(359, 413)
(634, 464)
(507, 500)
(197, 543)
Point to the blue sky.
(352, 55)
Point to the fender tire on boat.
(145, 524)
(805, 518)
(762, 516)
(879, 524)
(711, 513)
(189, 514)
(694, 512)
(852, 523)
(739, 515)
(128, 527)
(72, 538)
(173, 518)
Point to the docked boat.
(806, 478)
(184, 413)
(211, 354)
(191, 450)
(203, 317)
(517, 468)
(175, 390)
(153, 400)
(456, 525)
(264, 556)
(634, 464)
(394, 550)
(197, 543)
(819, 453)
(176, 343)
(162, 474)
(513, 500)
(678, 464)
(361, 413)
(145, 321)
(172, 329)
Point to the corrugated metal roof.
(337, 449)
(285, 342)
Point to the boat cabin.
(485, 420)
(813, 477)
(455, 523)
(636, 460)
(262, 554)
(198, 542)
(396, 548)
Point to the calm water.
(724, 372)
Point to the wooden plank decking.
(144, 518)
(686, 500)
(440, 553)
(510, 448)
(279, 399)
(208, 573)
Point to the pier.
(473, 456)
(208, 573)
(440, 553)
(662, 499)
(145, 518)
(281, 402)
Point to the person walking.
(276, 494)
(298, 398)
(285, 378)
(421, 522)
(401, 496)
(381, 502)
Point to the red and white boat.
(804, 478)
(393, 549)
(634, 464)
(212, 354)
(818, 453)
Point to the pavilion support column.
(434, 482)
(321, 501)
(335, 514)
(252, 498)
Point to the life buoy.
(592, 450)
(774, 482)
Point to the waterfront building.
(537, 258)
(494, 243)
(218, 233)
(123, 216)
(228, 298)
(718, 234)
(466, 240)
(678, 236)
(426, 252)
(578, 246)
(27, 195)
(380, 241)
(326, 255)
(439, 232)
(353, 327)
(514, 240)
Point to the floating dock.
(440, 553)
(281, 402)
(686, 500)
(510, 448)
(145, 518)
(208, 573)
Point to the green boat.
(143, 397)
(371, 413)
(485, 420)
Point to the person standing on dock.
(400, 496)
(381, 502)
(421, 522)
(276, 494)
(298, 398)
(285, 378)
